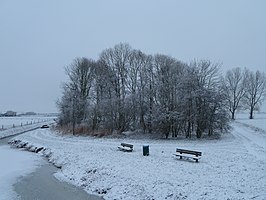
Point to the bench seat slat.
(189, 152)
(127, 149)
(127, 145)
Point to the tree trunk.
(251, 113)
(233, 115)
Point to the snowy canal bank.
(231, 168)
(42, 185)
(14, 164)
(25, 176)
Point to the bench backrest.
(196, 153)
(127, 145)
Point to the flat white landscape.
(233, 167)
(10, 122)
(12, 125)
(258, 123)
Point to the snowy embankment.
(18, 130)
(231, 168)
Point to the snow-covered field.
(233, 167)
(258, 123)
(10, 122)
(14, 125)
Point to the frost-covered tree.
(255, 91)
(101, 99)
(74, 102)
(126, 89)
(68, 107)
(117, 60)
(64, 106)
(200, 96)
(80, 74)
(234, 84)
(167, 72)
(207, 78)
(137, 84)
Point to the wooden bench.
(126, 147)
(183, 153)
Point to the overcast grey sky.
(39, 38)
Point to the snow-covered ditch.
(231, 168)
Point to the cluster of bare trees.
(125, 89)
(245, 90)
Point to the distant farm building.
(10, 114)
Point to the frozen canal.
(25, 175)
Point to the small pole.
(13, 125)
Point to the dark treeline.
(125, 89)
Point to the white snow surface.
(17, 130)
(9, 122)
(233, 167)
(257, 124)
(36, 121)
(14, 164)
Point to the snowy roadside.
(228, 168)
(19, 130)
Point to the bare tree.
(255, 91)
(129, 90)
(199, 99)
(167, 74)
(117, 59)
(207, 83)
(74, 102)
(145, 91)
(64, 106)
(234, 84)
(80, 74)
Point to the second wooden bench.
(184, 153)
(126, 147)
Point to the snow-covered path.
(254, 141)
(231, 168)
